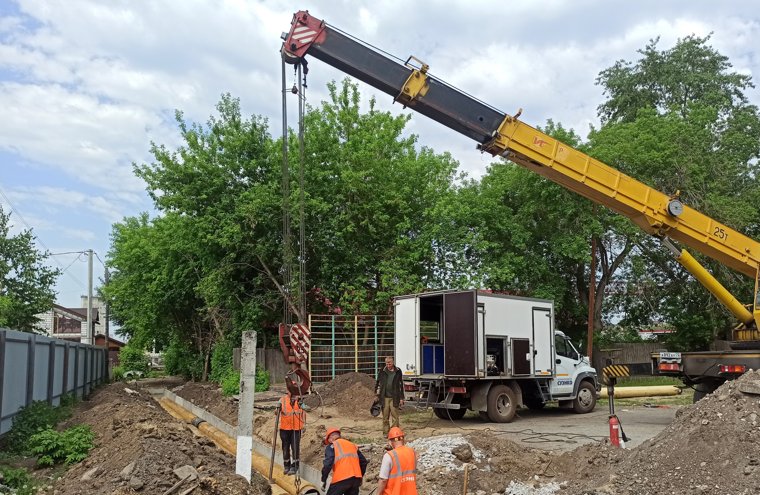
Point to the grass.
(648, 381)
(685, 398)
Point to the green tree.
(679, 120)
(372, 204)
(211, 265)
(26, 283)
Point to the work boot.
(286, 469)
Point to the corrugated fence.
(33, 367)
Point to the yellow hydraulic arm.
(503, 135)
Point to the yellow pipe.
(655, 391)
(716, 288)
(229, 445)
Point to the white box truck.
(473, 350)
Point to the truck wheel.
(502, 404)
(585, 401)
(449, 413)
(703, 389)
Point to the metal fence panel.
(34, 367)
(41, 375)
(71, 383)
(348, 343)
(58, 377)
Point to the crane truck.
(662, 215)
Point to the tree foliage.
(26, 283)
(211, 265)
(384, 216)
(679, 120)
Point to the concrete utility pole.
(245, 406)
(89, 336)
(107, 316)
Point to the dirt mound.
(352, 392)
(208, 395)
(711, 448)
(494, 463)
(138, 446)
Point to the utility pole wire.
(37, 238)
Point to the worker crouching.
(292, 420)
(346, 462)
(398, 471)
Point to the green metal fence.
(343, 344)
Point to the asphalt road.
(560, 430)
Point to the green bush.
(221, 361)
(37, 416)
(69, 446)
(18, 480)
(179, 360)
(262, 379)
(231, 383)
(117, 373)
(132, 358)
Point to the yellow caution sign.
(616, 370)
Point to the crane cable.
(286, 269)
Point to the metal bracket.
(499, 142)
(416, 84)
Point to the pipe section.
(229, 445)
(655, 391)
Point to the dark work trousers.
(348, 486)
(291, 445)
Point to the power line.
(37, 238)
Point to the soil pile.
(208, 396)
(352, 392)
(138, 447)
(492, 464)
(711, 448)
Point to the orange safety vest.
(403, 476)
(292, 417)
(346, 463)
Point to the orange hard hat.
(329, 432)
(395, 432)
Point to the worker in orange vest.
(292, 420)
(346, 462)
(398, 471)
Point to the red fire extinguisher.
(614, 431)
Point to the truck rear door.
(542, 342)
(460, 334)
(407, 343)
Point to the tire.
(453, 414)
(703, 389)
(585, 401)
(502, 404)
(534, 404)
(698, 395)
(484, 416)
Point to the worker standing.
(389, 389)
(292, 420)
(398, 471)
(346, 462)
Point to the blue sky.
(85, 86)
